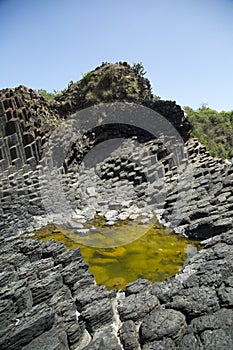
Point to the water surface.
(156, 255)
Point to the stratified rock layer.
(48, 299)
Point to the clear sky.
(186, 46)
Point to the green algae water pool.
(156, 255)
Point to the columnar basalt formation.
(48, 299)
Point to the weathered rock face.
(119, 82)
(26, 122)
(209, 209)
(48, 299)
(107, 83)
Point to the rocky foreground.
(48, 299)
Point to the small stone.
(115, 206)
(123, 216)
(127, 204)
(144, 221)
(89, 213)
(111, 214)
(133, 216)
(91, 191)
(75, 224)
(110, 223)
(82, 231)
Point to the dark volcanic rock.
(216, 339)
(44, 289)
(163, 323)
(53, 339)
(220, 319)
(189, 341)
(204, 227)
(97, 314)
(19, 293)
(32, 324)
(92, 293)
(164, 344)
(195, 301)
(129, 336)
(48, 299)
(166, 289)
(54, 249)
(73, 272)
(86, 281)
(7, 276)
(225, 293)
(32, 249)
(212, 331)
(8, 314)
(103, 340)
(136, 306)
(67, 256)
(137, 286)
(38, 310)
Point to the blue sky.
(186, 46)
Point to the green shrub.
(213, 129)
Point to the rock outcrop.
(48, 299)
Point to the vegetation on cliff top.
(110, 82)
(49, 96)
(107, 83)
(213, 129)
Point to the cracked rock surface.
(48, 298)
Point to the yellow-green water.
(157, 254)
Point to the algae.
(156, 255)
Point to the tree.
(213, 129)
(139, 69)
(49, 96)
